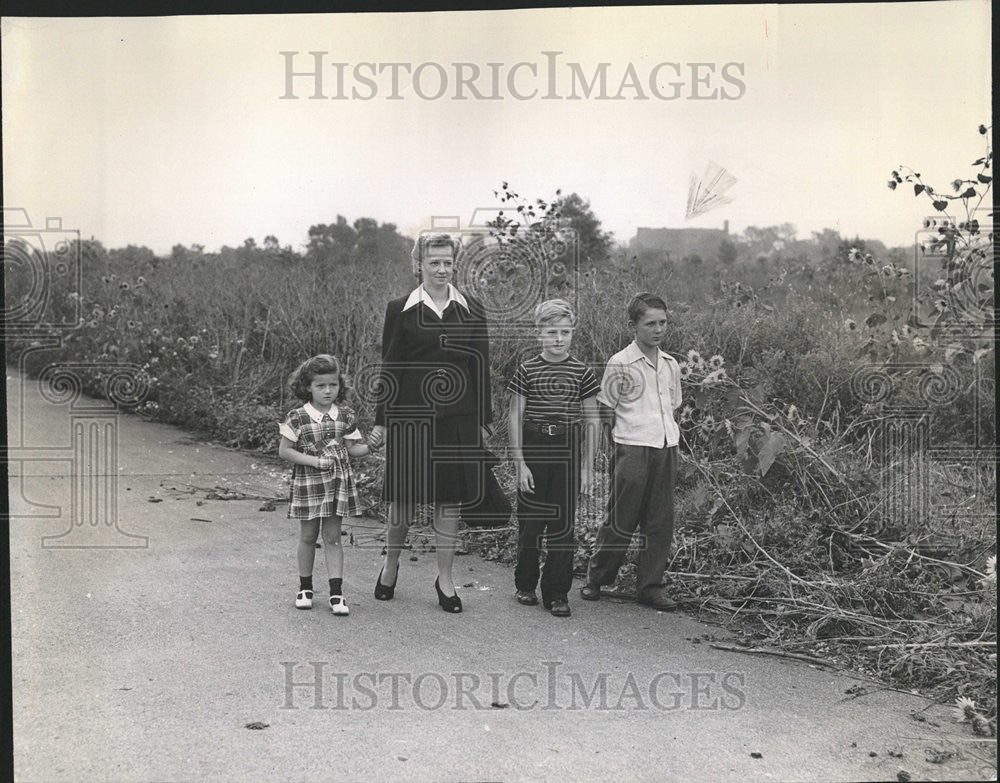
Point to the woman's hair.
(642, 302)
(552, 310)
(323, 364)
(425, 241)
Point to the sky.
(182, 130)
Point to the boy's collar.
(635, 352)
(316, 416)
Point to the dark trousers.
(549, 512)
(642, 495)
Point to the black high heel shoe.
(450, 603)
(384, 592)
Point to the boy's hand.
(525, 481)
(587, 481)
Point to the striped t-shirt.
(553, 390)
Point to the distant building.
(681, 242)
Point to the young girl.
(319, 438)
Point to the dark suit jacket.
(430, 364)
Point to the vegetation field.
(837, 492)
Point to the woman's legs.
(308, 532)
(398, 523)
(332, 550)
(446, 519)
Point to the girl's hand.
(587, 481)
(485, 433)
(525, 481)
(377, 437)
(325, 463)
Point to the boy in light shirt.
(640, 389)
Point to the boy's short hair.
(642, 302)
(552, 310)
(425, 241)
(322, 364)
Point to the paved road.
(147, 662)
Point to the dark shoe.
(560, 609)
(526, 597)
(658, 601)
(450, 603)
(590, 592)
(385, 592)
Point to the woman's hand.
(525, 481)
(377, 437)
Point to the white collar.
(634, 352)
(419, 294)
(316, 416)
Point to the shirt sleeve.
(518, 384)
(611, 385)
(350, 424)
(392, 353)
(288, 430)
(483, 376)
(588, 384)
(675, 393)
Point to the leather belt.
(546, 428)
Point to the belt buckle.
(550, 430)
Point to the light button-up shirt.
(643, 397)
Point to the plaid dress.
(322, 493)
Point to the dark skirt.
(432, 460)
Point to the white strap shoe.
(304, 599)
(339, 606)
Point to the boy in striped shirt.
(551, 395)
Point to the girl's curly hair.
(323, 364)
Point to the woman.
(434, 407)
